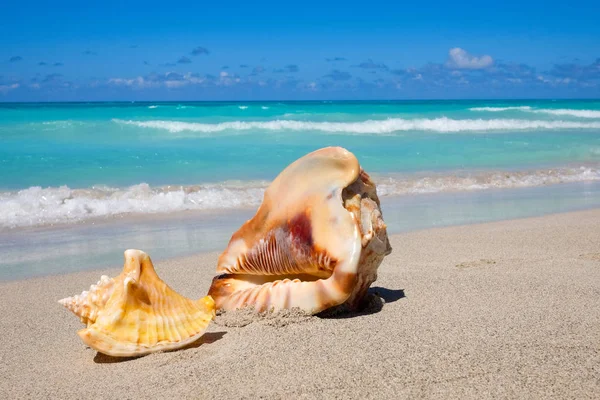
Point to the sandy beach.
(505, 309)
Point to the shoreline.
(43, 251)
(115, 268)
(504, 309)
(235, 196)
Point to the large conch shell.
(136, 313)
(315, 242)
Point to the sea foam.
(54, 205)
(570, 112)
(386, 126)
(499, 109)
(552, 111)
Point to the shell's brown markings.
(143, 314)
(300, 230)
(287, 250)
(297, 252)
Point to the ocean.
(81, 182)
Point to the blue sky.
(68, 51)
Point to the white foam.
(41, 206)
(242, 107)
(570, 112)
(434, 183)
(152, 106)
(499, 109)
(382, 127)
(552, 111)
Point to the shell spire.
(87, 304)
(136, 313)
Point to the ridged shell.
(315, 242)
(87, 304)
(137, 313)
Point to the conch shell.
(315, 242)
(136, 313)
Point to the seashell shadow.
(372, 304)
(388, 295)
(207, 338)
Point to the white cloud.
(541, 78)
(173, 80)
(7, 88)
(175, 84)
(134, 82)
(461, 59)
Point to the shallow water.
(28, 252)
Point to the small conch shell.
(315, 242)
(136, 313)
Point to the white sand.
(500, 310)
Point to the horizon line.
(303, 101)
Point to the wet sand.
(506, 309)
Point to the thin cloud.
(335, 59)
(51, 78)
(460, 59)
(5, 88)
(15, 59)
(244, 66)
(337, 75)
(290, 69)
(45, 64)
(370, 64)
(184, 60)
(259, 69)
(175, 80)
(577, 71)
(199, 51)
(90, 53)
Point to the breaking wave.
(570, 112)
(382, 127)
(53, 205)
(499, 109)
(435, 183)
(41, 206)
(552, 111)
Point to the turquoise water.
(81, 145)
(123, 144)
(64, 162)
(179, 178)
